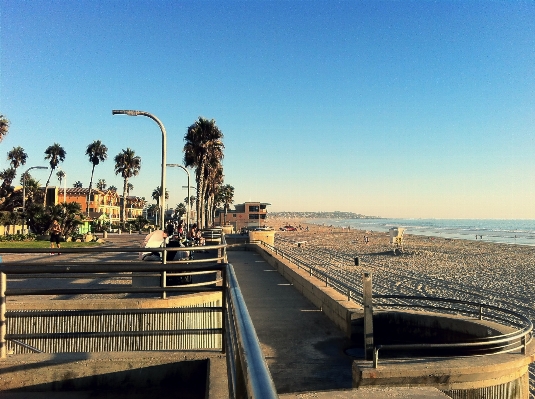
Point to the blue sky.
(389, 108)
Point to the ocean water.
(520, 232)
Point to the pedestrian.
(55, 232)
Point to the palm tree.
(129, 188)
(112, 188)
(78, 184)
(4, 127)
(7, 175)
(227, 198)
(101, 184)
(97, 153)
(60, 175)
(127, 164)
(17, 157)
(55, 154)
(203, 141)
(157, 194)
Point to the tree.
(227, 197)
(180, 210)
(97, 153)
(127, 164)
(203, 140)
(55, 154)
(112, 188)
(4, 127)
(101, 184)
(60, 175)
(157, 194)
(7, 175)
(78, 184)
(17, 157)
(129, 188)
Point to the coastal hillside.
(321, 215)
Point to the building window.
(254, 208)
(253, 216)
(233, 215)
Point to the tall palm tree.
(55, 154)
(129, 188)
(17, 157)
(78, 184)
(203, 139)
(157, 194)
(227, 198)
(101, 184)
(60, 175)
(112, 188)
(4, 127)
(127, 164)
(97, 153)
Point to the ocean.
(520, 232)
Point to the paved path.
(303, 348)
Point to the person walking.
(55, 232)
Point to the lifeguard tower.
(396, 239)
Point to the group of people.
(176, 231)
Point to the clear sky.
(387, 108)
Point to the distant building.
(249, 214)
(103, 205)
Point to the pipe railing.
(501, 343)
(247, 371)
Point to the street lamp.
(175, 165)
(24, 184)
(164, 150)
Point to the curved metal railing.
(501, 343)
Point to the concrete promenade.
(302, 347)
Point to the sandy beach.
(466, 269)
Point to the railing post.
(375, 357)
(3, 327)
(163, 278)
(480, 312)
(224, 306)
(523, 343)
(368, 316)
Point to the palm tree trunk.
(123, 206)
(90, 187)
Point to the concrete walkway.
(304, 350)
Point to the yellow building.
(101, 203)
(249, 214)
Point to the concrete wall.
(130, 374)
(335, 305)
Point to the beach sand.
(465, 269)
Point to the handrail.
(247, 372)
(257, 380)
(515, 340)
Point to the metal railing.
(247, 371)
(500, 343)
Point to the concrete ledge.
(372, 393)
(160, 374)
(335, 305)
(473, 376)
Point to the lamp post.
(175, 165)
(164, 150)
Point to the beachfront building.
(249, 214)
(103, 205)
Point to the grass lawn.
(45, 244)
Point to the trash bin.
(357, 261)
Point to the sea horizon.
(504, 231)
